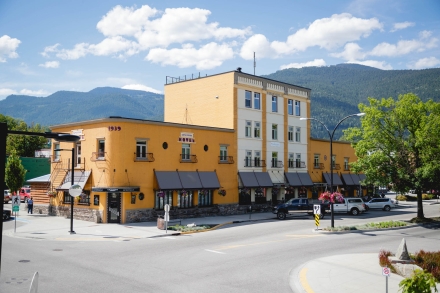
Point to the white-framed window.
(257, 158)
(205, 198)
(257, 101)
(316, 161)
(298, 134)
(78, 154)
(291, 160)
(297, 108)
(290, 134)
(185, 199)
(101, 148)
(248, 129)
(223, 153)
(274, 159)
(275, 131)
(186, 151)
(298, 160)
(257, 129)
(274, 104)
(163, 198)
(290, 107)
(248, 159)
(56, 154)
(141, 149)
(248, 99)
(346, 166)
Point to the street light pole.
(331, 155)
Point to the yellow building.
(130, 168)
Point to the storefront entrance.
(113, 207)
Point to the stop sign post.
(386, 272)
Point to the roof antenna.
(255, 63)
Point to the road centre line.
(267, 242)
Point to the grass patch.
(181, 228)
(368, 226)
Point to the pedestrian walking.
(30, 205)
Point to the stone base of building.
(85, 214)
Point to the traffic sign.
(385, 271)
(15, 200)
(15, 208)
(75, 190)
(167, 208)
(317, 209)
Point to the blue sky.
(52, 45)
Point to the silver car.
(380, 203)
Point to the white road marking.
(169, 238)
(214, 251)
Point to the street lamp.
(331, 154)
(73, 182)
(66, 137)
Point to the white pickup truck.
(352, 205)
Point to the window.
(297, 108)
(66, 197)
(248, 99)
(290, 107)
(223, 153)
(141, 149)
(186, 151)
(290, 133)
(56, 154)
(333, 161)
(298, 134)
(185, 199)
(298, 161)
(274, 131)
(346, 166)
(101, 148)
(78, 154)
(163, 198)
(248, 129)
(274, 159)
(257, 101)
(248, 159)
(257, 158)
(205, 198)
(274, 104)
(291, 160)
(257, 129)
(84, 198)
(316, 161)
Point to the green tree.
(14, 172)
(399, 143)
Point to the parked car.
(25, 193)
(8, 196)
(352, 205)
(380, 203)
(295, 206)
(6, 215)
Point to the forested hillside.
(337, 90)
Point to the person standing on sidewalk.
(30, 205)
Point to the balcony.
(226, 160)
(318, 166)
(186, 158)
(277, 164)
(256, 162)
(347, 168)
(98, 156)
(144, 157)
(336, 167)
(297, 164)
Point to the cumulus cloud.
(4, 92)
(316, 62)
(50, 64)
(430, 62)
(352, 51)
(259, 44)
(373, 63)
(208, 56)
(8, 46)
(49, 49)
(401, 25)
(141, 87)
(403, 47)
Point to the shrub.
(401, 197)
(429, 261)
(420, 282)
(427, 196)
(384, 261)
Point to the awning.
(209, 179)
(305, 179)
(190, 180)
(248, 179)
(293, 179)
(336, 179)
(347, 178)
(79, 177)
(355, 179)
(263, 179)
(168, 180)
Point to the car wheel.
(281, 215)
(354, 211)
(387, 208)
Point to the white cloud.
(50, 64)
(49, 49)
(402, 25)
(4, 92)
(8, 46)
(259, 44)
(425, 34)
(141, 87)
(80, 50)
(113, 45)
(207, 57)
(430, 62)
(316, 62)
(39, 93)
(402, 47)
(372, 63)
(352, 51)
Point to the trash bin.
(160, 223)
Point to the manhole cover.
(24, 260)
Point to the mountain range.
(336, 92)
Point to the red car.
(25, 194)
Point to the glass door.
(114, 207)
